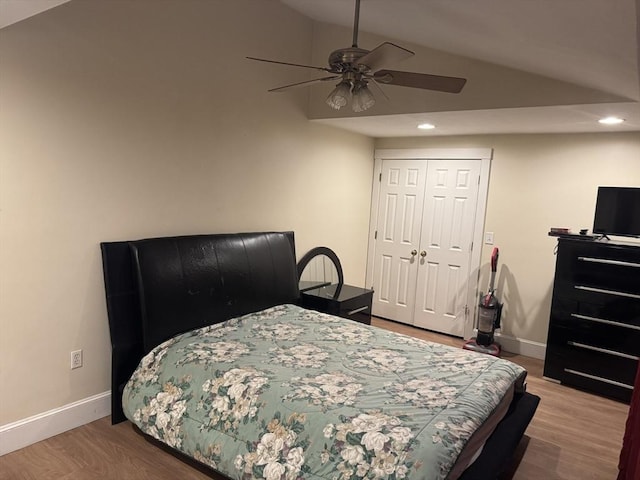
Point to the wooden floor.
(574, 435)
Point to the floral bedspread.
(289, 393)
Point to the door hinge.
(471, 249)
(380, 177)
(375, 235)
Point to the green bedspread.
(289, 393)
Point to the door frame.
(485, 156)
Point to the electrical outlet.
(76, 359)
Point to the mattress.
(289, 393)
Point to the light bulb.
(362, 97)
(339, 97)
(611, 121)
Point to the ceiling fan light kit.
(355, 89)
(355, 67)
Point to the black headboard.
(157, 288)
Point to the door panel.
(446, 237)
(399, 224)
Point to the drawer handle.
(606, 322)
(608, 292)
(358, 310)
(600, 379)
(609, 262)
(602, 350)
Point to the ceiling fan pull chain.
(356, 20)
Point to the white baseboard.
(20, 434)
(527, 348)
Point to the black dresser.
(594, 328)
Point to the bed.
(213, 359)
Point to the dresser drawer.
(601, 291)
(622, 315)
(610, 267)
(599, 331)
(586, 381)
(608, 367)
(357, 308)
(569, 251)
(606, 305)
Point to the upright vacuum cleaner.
(489, 312)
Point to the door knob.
(423, 253)
(414, 252)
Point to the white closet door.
(446, 238)
(401, 199)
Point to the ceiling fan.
(355, 67)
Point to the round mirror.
(319, 267)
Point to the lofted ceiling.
(585, 43)
(592, 45)
(12, 11)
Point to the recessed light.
(611, 120)
(426, 126)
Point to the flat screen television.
(617, 211)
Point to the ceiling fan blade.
(383, 54)
(304, 84)
(324, 69)
(420, 80)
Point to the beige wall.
(123, 120)
(538, 182)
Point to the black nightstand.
(353, 303)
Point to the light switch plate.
(488, 238)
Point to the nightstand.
(352, 302)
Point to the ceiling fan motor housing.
(345, 59)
